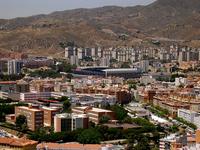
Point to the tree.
(69, 76)
(64, 98)
(89, 136)
(104, 119)
(132, 86)
(21, 122)
(125, 65)
(142, 143)
(120, 112)
(66, 106)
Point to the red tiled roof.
(16, 142)
(70, 146)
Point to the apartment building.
(15, 66)
(190, 116)
(14, 86)
(70, 122)
(181, 142)
(94, 114)
(123, 95)
(34, 116)
(10, 66)
(170, 105)
(32, 96)
(49, 113)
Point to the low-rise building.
(32, 96)
(70, 122)
(94, 114)
(181, 142)
(34, 116)
(190, 116)
(49, 113)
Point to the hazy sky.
(20, 8)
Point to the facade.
(190, 116)
(34, 116)
(10, 66)
(14, 86)
(32, 96)
(144, 65)
(70, 122)
(49, 113)
(15, 66)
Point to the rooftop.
(68, 115)
(50, 108)
(69, 146)
(17, 142)
(92, 109)
(29, 108)
(100, 110)
(8, 82)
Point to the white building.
(147, 79)
(33, 96)
(180, 81)
(74, 60)
(14, 66)
(70, 122)
(190, 116)
(144, 65)
(105, 62)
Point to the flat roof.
(73, 146)
(92, 109)
(29, 108)
(100, 110)
(17, 142)
(124, 70)
(8, 82)
(124, 125)
(68, 115)
(50, 108)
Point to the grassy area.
(159, 111)
(191, 125)
(12, 128)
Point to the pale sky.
(21, 8)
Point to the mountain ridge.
(172, 19)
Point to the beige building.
(70, 122)
(49, 113)
(94, 114)
(34, 116)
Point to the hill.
(42, 34)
